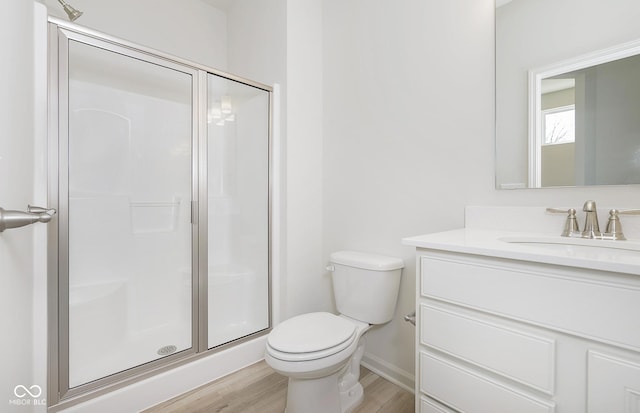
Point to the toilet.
(320, 352)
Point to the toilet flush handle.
(331, 268)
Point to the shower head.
(71, 12)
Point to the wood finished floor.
(258, 389)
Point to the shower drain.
(166, 350)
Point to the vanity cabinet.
(498, 335)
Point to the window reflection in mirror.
(558, 110)
(586, 120)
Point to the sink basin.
(593, 248)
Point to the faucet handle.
(627, 211)
(571, 224)
(614, 228)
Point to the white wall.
(276, 41)
(189, 29)
(409, 137)
(17, 170)
(308, 285)
(407, 115)
(257, 40)
(16, 161)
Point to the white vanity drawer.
(565, 299)
(468, 391)
(429, 406)
(510, 352)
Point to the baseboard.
(389, 372)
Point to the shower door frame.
(60, 396)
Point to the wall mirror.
(567, 93)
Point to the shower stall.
(160, 172)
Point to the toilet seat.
(310, 337)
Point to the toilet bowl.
(317, 351)
(320, 352)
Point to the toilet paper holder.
(411, 318)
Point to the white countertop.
(549, 248)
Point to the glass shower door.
(162, 243)
(125, 197)
(238, 209)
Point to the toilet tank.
(366, 285)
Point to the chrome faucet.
(591, 227)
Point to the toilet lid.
(310, 333)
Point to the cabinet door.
(613, 384)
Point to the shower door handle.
(16, 219)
